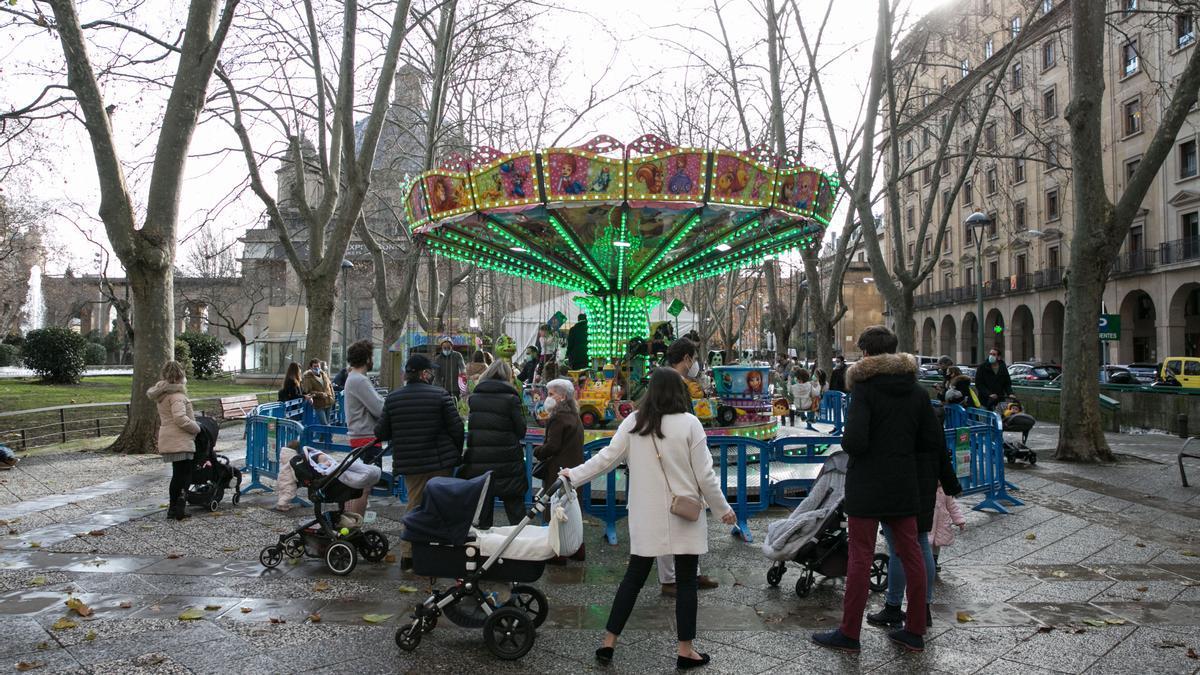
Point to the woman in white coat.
(666, 450)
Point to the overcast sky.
(639, 32)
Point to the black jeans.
(635, 578)
(514, 508)
(181, 477)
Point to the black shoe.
(178, 510)
(406, 564)
(684, 663)
(928, 616)
(910, 642)
(835, 639)
(604, 655)
(888, 617)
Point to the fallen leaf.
(1045, 629)
(43, 646)
(246, 610)
(64, 624)
(211, 608)
(1031, 536)
(96, 533)
(1096, 623)
(315, 617)
(28, 665)
(1060, 574)
(321, 586)
(191, 614)
(37, 581)
(79, 607)
(276, 619)
(173, 556)
(35, 544)
(964, 617)
(1142, 589)
(1169, 644)
(376, 618)
(91, 635)
(1191, 654)
(1139, 544)
(407, 589)
(1116, 622)
(229, 549)
(391, 558)
(1190, 554)
(293, 561)
(125, 604)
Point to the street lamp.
(978, 221)
(346, 267)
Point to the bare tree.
(210, 257)
(145, 245)
(1101, 223)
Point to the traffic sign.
(1110, 327)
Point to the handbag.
(688, 508)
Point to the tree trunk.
(153, 295)
(903, 323)
(320, 293)
(1081, 431)
(242, 359)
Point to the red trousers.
(858, 571)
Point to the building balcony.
(1017, 284)
(1137, 261)
(1180, 250)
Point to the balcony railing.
(1137, 261)
(1012, 285)
(1180, 250)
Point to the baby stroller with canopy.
(814, 535)
(335, 536)
(445, 545)
(1014, 419)
(212, 473)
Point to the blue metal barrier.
(986, 442)
(833, 411)
(745, 450)
(292, 410)
(265, 438)
(611, 510)
(808, 450)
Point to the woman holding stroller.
(177, 429)
(494, 431)
(563, 446)
(364, 406)
(670, 471)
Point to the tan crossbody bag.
(688, 508)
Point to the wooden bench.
(238, 407)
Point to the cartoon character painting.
(517, 178)
(754, 382)
(680, 182)
(567, 183)
(732, 181)
(445, 193)
(601, 181)
(650, 176)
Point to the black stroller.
(814, 535)
(1014, 419)
(212, 473)
(444, 546)
(335, 536)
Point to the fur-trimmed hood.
(901, 364)
(163, 388)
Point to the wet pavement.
(1099, 572)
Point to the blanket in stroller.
(786, 537)
(358, 475)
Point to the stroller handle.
(560, 484)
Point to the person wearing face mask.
(316, 384)
(992, 380)
(363, 404)
(837, 377)
(528, 365)
(425, 433)
(449, 367)
(563, 446)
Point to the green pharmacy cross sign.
(619, 224)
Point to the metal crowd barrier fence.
(744, 451)
(833, 410)
(976, 445)
(265, 439)
(808, 451)
(615, 505)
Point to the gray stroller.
(814, 534)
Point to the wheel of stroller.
(804, 585)
(294, 547)
(374, 546)
(775, 575)
(428, 623)
(1032, 457)
(408, 637)
(237, 497)
(532, 600)
(212, 506)
(879, 572)
(270, 556)
(341, 558)
(509, 633)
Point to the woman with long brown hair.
(291, 384)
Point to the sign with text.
(962, 452)
(1110, 327)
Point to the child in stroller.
(1014, 419)
(814, 534)
(336, 536)
(212, 473)
(445, 545)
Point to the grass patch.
(27, 393)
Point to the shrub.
(15, 339)
(183, 354)
(95, 354)
(10, 355)
(56, 354)
(206, 351)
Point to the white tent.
(522, 325)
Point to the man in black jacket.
(890, 433)
(992, 380)
(577, 344)
(424, 430)
(837, 377)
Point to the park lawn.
(27, 393)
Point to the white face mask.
(550, 403)
(694, 370)
(446, 352)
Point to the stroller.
(1014, 419)
(335, 536)
(814, 534)
(444, 545)
(212, 473)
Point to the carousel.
(621, 225)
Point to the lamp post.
(346, 267)
(978, 221)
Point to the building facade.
(1022, 178)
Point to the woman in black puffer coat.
(495, 429)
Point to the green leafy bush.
(56, 354)
(15, 339)
(95, 354)
(10, 355)
(206, 351)
(183, 354)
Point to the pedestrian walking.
(890, 428)
(316, 385)
(992, 380)
(670, 471)
(495, 429)
(563, 446)
(364, 406)
(177, 429)
(425, 433)
(449, 368)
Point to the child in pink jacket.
(945, 513)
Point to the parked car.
(1031, 372)
(1117, 375)
(1145, 373)
(1183, 369)
(928, 371)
